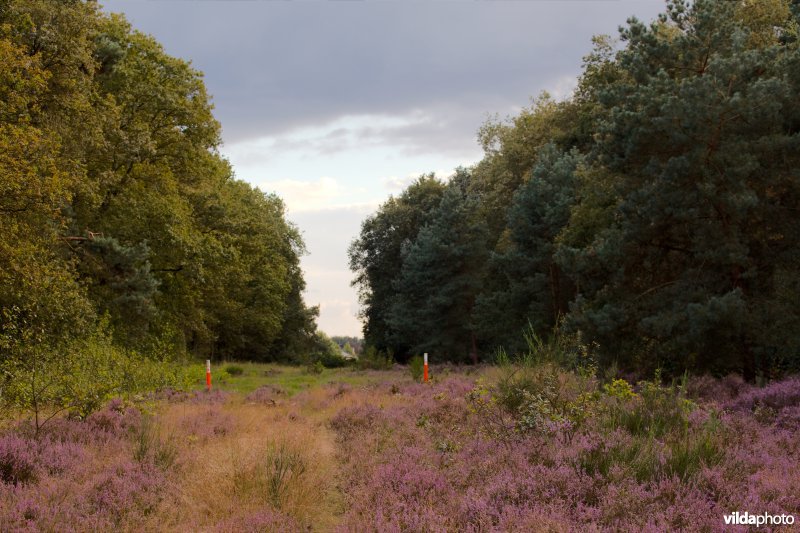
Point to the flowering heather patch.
(337, 390)
(114, 421)
(125, 490)
(776, 395)
(711, 389)
(498, 450)
(214, 396)
(265, 395)
(171, 395)
(24, 460)
(18, 463)
(78, 475)
(648, 459)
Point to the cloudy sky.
(336, 105)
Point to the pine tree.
(440, 278)
(698, 146)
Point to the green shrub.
(373, 359)
(315, 367)
(416, 367)
(619, 389)
(566, 350)
(234, 370)
(329, 360)
(80, 377)
(326, 352)
(656, 410)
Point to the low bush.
(265, 394)
(655, 410)
(416, 367)
(373, 359)
(81, 377)
(234, 370)
(18, 460)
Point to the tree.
(376, 256)
(525, 286)
(699, 140)
(440, 279)
(115, 200)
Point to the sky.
(336, 105)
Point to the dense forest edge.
(650, 219)
(128, 243)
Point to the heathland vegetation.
(513, 447)
(608, 253)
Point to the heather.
(539, 448)
(523, 446)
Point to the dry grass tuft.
(266, 459)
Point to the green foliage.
(374, 359)
(315, 367)
(234, 370)
(654, 212)
(326, 353)
(416, 367)
(352, 345)
(376, 257)
(655, 410)
(438, 282)
(682, 275)
(81, 376)
(115, 202)
(619, 389)
(525, 285)
(533, 396)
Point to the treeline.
(655, 213)
(118, 211)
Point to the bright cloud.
(305, 195)
(563, 87)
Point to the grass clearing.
(291, 379)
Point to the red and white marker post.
(425, 368)
(208, 374)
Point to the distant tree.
(440, 278)
(376, 256)
(525, 286)
(353, 345)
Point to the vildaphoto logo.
(758, 520)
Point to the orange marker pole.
(208, 374)
(425, 369)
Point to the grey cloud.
(274, 66)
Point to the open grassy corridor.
(527, 448)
